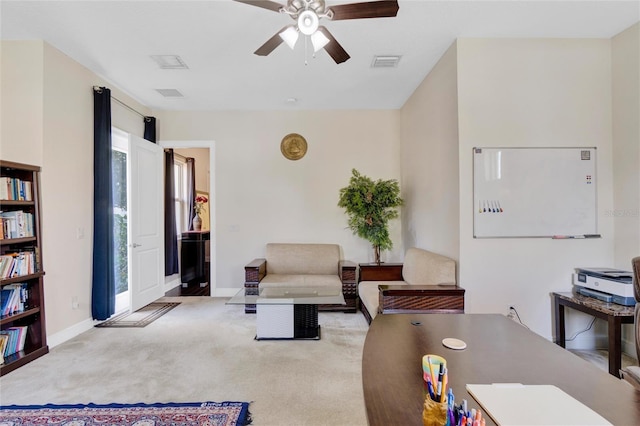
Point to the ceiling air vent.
(170, 93)
(170, 62)
(385, 61)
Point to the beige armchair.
(426, 283)
(632, 373)
(303, 265)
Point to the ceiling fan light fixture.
(290, 36)
(318, 40)
(308, 22)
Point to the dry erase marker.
(440, 377)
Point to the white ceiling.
(217, 38)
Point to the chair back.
(422, 267)
(312, 259)
(635, 265)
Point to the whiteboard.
(534, 192)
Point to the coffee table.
(288, 312)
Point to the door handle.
(134, 245)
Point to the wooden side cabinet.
(380, 272)
(21, 270)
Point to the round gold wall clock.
(293, 146)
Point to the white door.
(146, 222)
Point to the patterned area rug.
(140, 318)
(174, 414)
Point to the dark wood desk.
(614, 314)
(498, 350)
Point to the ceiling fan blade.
(373, 9)
(265, 4)
(271, 44)
(333, 48)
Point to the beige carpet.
(203, 350)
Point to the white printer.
(607, 284)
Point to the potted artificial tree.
(370, 205)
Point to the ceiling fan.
(307, 14)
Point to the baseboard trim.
(69, 333)
(224, 292)
(173, 282)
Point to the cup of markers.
(439, 406)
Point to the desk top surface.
(498, 351)
(612, 309)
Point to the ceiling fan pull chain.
(305, 51)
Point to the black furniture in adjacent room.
(194, 259)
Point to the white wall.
(430, 185)
(201, 157)
(63, 147)
(538, 93)
(262, 197)
(626, 145)
(21, 72)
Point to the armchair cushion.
(423, 267)
(369, 294)
(320, 259)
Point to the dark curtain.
(191, 189)
(103, 299)
(170, 236)
(150, 129)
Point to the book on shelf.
(4, 339)
(17, 264)
(16, 224)
(14, 189)
(14, 298)
(15, 340)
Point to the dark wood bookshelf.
(9, 241)
(21, 278)
(32, 316)
(15, 317)
(18, 203)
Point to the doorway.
(191, 166)
(204, 154)
(138, 221)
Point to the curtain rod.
(99, 90)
